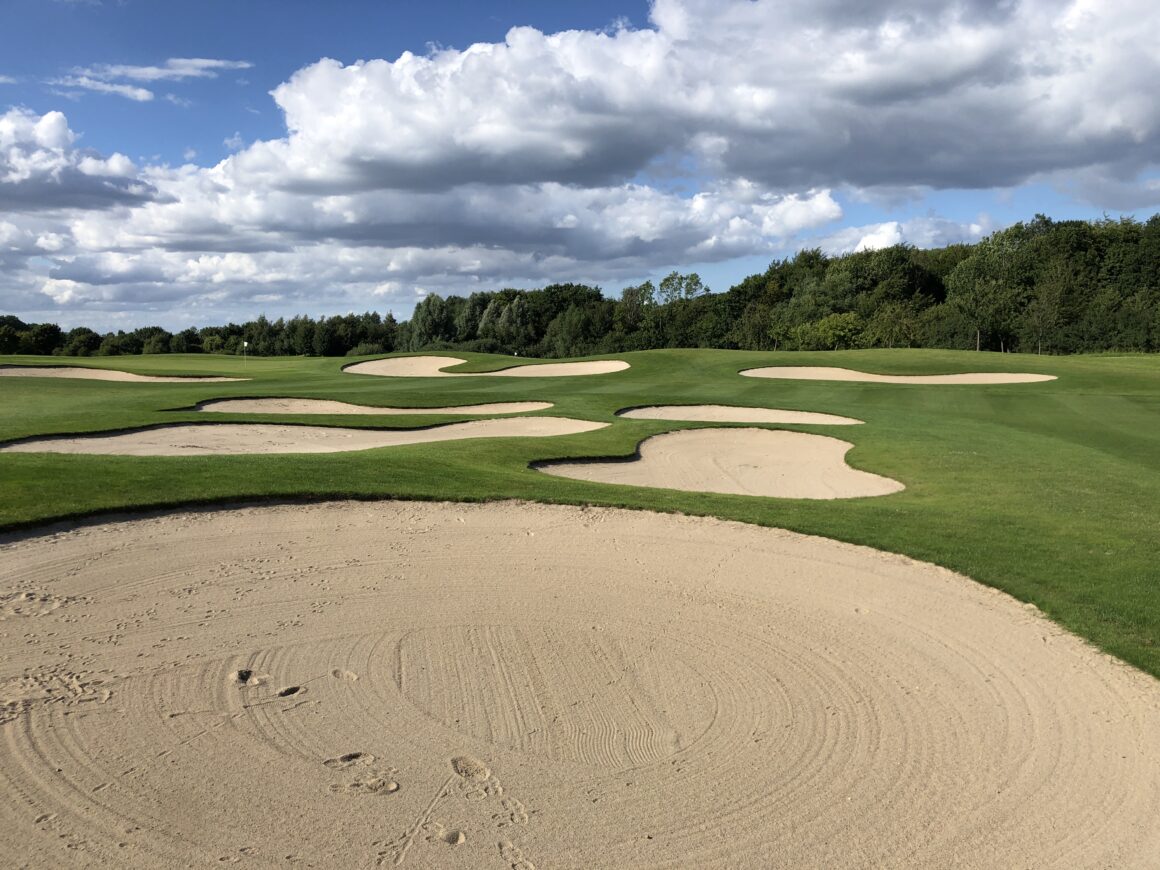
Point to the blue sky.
(188, 163)
(44, 40)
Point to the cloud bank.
(724, 129)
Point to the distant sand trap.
(431, 367)
(733, 414)
(822, 373)
(435, 685)
(738, 461)
(87, 374)
(322, 406)
(229, 439)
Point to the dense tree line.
(348, 334)
(1042, 286)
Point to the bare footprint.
(345, 676)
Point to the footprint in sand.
(27, 603)
(514, 813)
(477, 782)
(470, 769)
(381, 784)
(350, 759)
(245, 678)
(437, 832)
(512, 853)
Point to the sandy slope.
(88, 374)
(508, 685)
(238, 438)
(733, 414)
(740, 461)
(322, 406)
(822, 373)
(431, 366)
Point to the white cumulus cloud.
(721, 130)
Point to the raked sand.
(733, 414)
(823, 373)
(739, 461)
(518, 686)
(323, 406)
(87, 374)
(241, 438)
(432, 367)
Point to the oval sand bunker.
(823, 373)
(242, 438)
(737, 461)
(431, 367)
(323, 406)
(570, 687)
(87, 374)
(733, 414)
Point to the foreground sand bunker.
(323, 406)
(87, 374)
(426, 685)
(230, 439)
(738, 461)
(823, 373)
(431, 367)
(733, 414)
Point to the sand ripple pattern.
(761, 462)
(432, 367)
(824, 373)
(510, 685)
(233, 439)
(324, 406)
(87, 374)
(734, 414)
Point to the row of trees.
(1042, 286)
(347, 334)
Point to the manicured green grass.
(1049, 491)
